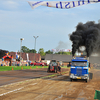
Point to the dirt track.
(8, 77)
(56, 88)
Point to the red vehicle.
(54, 67)
(37, 64)
(31, 63)
(45, 64)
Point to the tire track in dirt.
(56, 88)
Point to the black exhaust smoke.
(87, 35)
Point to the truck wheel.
(87, 80)
(91, 75)
(71, 79)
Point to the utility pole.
(35, 45)
(21, 49)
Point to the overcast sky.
(52, 25)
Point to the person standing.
(59, 68)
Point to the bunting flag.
(61, 4)
(61, 50)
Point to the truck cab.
(79, 69)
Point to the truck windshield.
(79, 63)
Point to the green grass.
(8, 68)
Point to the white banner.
(27, 56)
(61, 50)
(61, 4)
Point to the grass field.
(8, 68)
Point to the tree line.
(41, 51)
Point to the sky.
(52, 25)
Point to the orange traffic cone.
(36, 67)
(30, 68)
(12, 68)
(22, 68)
(42, 66)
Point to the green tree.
(32, 51)
(41, 51)
(27, 50)
(64, 53)
(49, 52)
(68, 53)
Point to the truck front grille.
(79, 71)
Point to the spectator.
(59, 68)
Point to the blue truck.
(80, 68)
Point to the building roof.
(42, 57)
(68, 58)
(58, 57)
